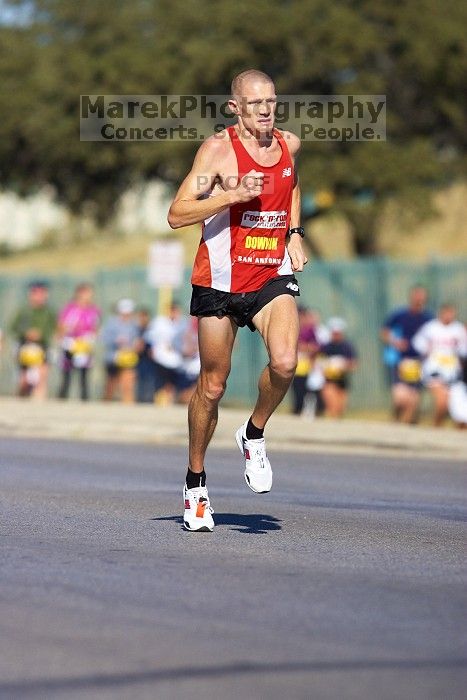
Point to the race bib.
(261, 238)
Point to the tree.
(415, 53)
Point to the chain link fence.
(361, 291)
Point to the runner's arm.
(189, 206)
(294, 245)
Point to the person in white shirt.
(168, 359)
(458, 399)
(442, 343)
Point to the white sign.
(166, 264)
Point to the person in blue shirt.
(401, 358)
(120, 335)
(338, 359)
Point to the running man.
(244, 191)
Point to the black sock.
(252, 432)
(194, 480)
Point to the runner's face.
(256, 106)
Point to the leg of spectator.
(40, 390)
(111, 383)
(331, 400)
(440, 394)
(406, 401)
(127, 385)
(83, 376)
(23, 386)
(65, 385)
(299, 392)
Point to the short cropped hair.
(247, 74)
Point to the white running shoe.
(198, 512)
(258, 472)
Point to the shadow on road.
(57, 685)
(251, 524)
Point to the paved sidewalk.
(147, 424)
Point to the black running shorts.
(243, 306)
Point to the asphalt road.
(348, 580)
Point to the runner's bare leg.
(278, 324)
(216, 337)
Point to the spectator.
(401, 358)
(32, 328)
(78, 323)
(307, 350)
(458, 399)
(186, 343)
(167, 358)
(145, 369)
(321, 330)
(314, 402)
(120, 334)
(339, 359)
(442, 343)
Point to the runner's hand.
(296, 252)
(251, 186)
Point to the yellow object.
(303, 366)
(410, 370)
(324, 198)
(126, 358)
(31, 355)
(81, 346)
(335, 367)
(446, 361)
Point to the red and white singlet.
(243, 247)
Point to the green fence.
(361, 291)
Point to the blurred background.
(379, 217)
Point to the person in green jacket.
(33, 328)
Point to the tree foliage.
(415, 53)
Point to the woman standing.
(78, 323)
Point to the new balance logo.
(287, 172)
(292, 286)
